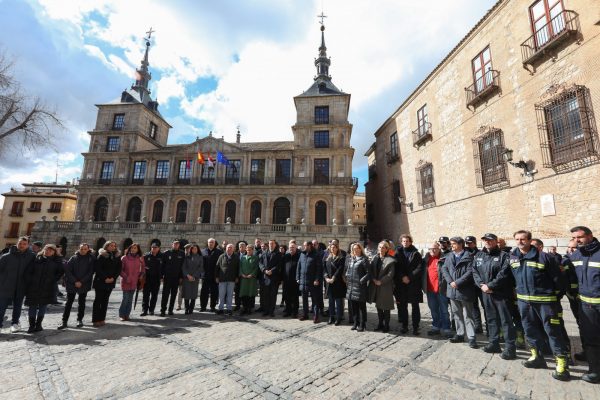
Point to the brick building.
(501, 135)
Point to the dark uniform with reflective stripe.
(586, 261)
(539, 282)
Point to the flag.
(222, 159)
(200, 158)
(210, 161)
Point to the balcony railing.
(34, 209)
(483, 88)
(11, 234)
(422, 134)
(16, 214)
(54, 210)
(161, 181)
(562, 26)
(391, 157)
(283, 180)
(137, 181)
(183, 181)
(321, 180)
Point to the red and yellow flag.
(200, 158)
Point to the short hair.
(585, 229)
(406, 236)
(384, 243)
(521, 232)
(23, 239)
(538, 241)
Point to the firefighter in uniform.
(586, 261)
(538, 283)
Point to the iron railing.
(565, 24)
(422, 134)
(483, 88)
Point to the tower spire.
(323, 62)
(142, 74)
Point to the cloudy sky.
(219, 64)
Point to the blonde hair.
(360, 246)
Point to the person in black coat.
(357, 279)
(309, 276)
(153, 261)
(408, 283)
(492, 274)
(14, 267)
(270, 264)
(107, 268)
(79, 272)
(209, 286)
(291, 289)
(333, 274)
(172, 277)
(41, 279)
(461, 290)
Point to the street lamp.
(507, 155)
(409, 205)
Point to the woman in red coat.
(133, 266)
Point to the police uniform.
(539, 282)
(172, 274)
(586, 261)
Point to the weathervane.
(322, 16)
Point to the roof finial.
(323, 62)
(142, 75)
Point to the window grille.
(491, 170)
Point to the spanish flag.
(200, 158)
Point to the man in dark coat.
(172, 276)
(270, 266)
(461, 291)
(290, 285)
(408, 283)
(209, 286)
(153, 261)
(14, 267)
(491, 272)
(309, 275)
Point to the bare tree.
(24, 120)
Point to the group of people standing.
(520, 288)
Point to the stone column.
(242, 213)
(215, 210)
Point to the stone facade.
(22, 208)
(359, 214)
(132, 176)
(450, 174)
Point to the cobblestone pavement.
(210, 356)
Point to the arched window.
(230, 211)
(101, 209)
(181, 213)
(255, 211)
(320, 213)
(157, 211)
(134, 210)
(281, 210)
(205, 208)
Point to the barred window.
(112, 143)
(396, 206)
(567, 129)
(490, 168)
(321, 114)
(321, 139)
(425, 184)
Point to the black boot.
(593, 374)
(62, 326)
(31, 325)
(38, 324)
(386, 321)
(380, 324)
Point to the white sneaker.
(15, 328)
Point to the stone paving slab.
(218, 357)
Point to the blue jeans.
(125, 308)
(36, 312)
(438, 305)
(226, 294)
(17, 303)
(336, 306)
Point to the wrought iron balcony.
(391, 157)
(54, 210)
(563, 26)
(483, 88)
(422, 134)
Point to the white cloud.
(261, 54)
